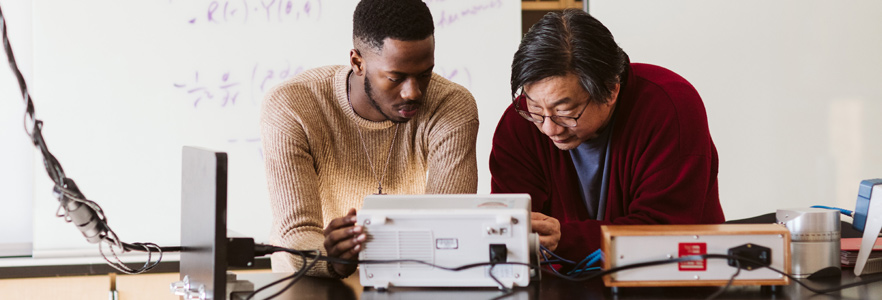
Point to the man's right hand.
(343, 240)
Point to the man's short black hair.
(405, 20)
(570, 42)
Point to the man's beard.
(369, 92)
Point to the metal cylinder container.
(814, 239)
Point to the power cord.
(263, 249)
(315, 256)
(576, 277)
(294, 277)
(728, 283)
(737, 259)
(73, 206)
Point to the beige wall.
(791, 89)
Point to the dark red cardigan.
(663, 163)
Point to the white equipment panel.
(631, 244)
(448, 231)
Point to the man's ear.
(614, 94)
(357, 62)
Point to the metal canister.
(814, 239)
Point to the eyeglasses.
(565, 121)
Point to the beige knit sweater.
(317, 167)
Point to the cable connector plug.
(264, 250)
(240, 252)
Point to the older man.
(595, 139)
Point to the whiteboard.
(790, 87)
(16, 151)
(123, 85)
(792, 90)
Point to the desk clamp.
(184, 289)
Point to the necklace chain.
(364, 146)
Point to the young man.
(384, 124)
(595, 139)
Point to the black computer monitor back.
(204, 220)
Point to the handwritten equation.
(446, 14)
(225, 89)
(250, 11)
(251, 143)
(460, 75)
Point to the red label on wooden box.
(687, 249)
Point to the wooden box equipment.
(631, 244)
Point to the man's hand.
(548, 229)
(343, 240)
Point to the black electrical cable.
(622, 268)
(715, 256)
(729, 283)
(474, 265)
(545, 252)
(299, 275)
(11, 57)
(261, 250)
(502, 287)
(294, 277)
(140, 247)
(792, 278)
(504, 295)
(559, 260)
(832, 289)
(267, 249)
(271, 284)
(738, 260)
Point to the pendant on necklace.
(380, 191)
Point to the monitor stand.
(204, 243)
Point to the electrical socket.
(754, 256)
(498, 253)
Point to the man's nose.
(550, 128)
(410, 89)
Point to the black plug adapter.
(240, 252)
(498, 253)
(750, 256)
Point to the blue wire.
(589, 257)
(588, 260)
(582, 266)
(585, 270)
(595, 259)
(841, 210)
